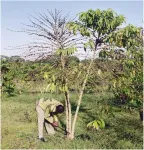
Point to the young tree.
(96, 25)
(54, 40)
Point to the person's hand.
(55, 124)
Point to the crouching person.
(47, 112)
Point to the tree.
(129, 79)
(96, 25)
(54, 40)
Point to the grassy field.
(19, 125)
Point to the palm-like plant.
(53, 39)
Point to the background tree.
(127, 81)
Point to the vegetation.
(102, 93)
(96, 27)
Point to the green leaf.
(89, 124)
(102, 123)
(99, 123)
(95, 125)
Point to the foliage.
(101, 75)
(96, 124)
(126, 37)
(103, 22)
(128, 82)
(7, 80)
(127, 78)
(26, 75)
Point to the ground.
(124, 130)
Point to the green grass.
(19, 125)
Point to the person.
(47, 112)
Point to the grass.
(19, 125)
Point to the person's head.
(59, 109)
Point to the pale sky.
(15, 12)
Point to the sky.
(13, 13)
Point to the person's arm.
(55, 121)
(52, 108)
(48, 116)
(51, 118)
(55, 118)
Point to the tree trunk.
(66, 109)
(68, 115)
(81, 94)
(79, 100)
(67, 102)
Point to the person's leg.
(40, 114)
(50, 129)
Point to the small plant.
(8, 86)
(96, 124)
